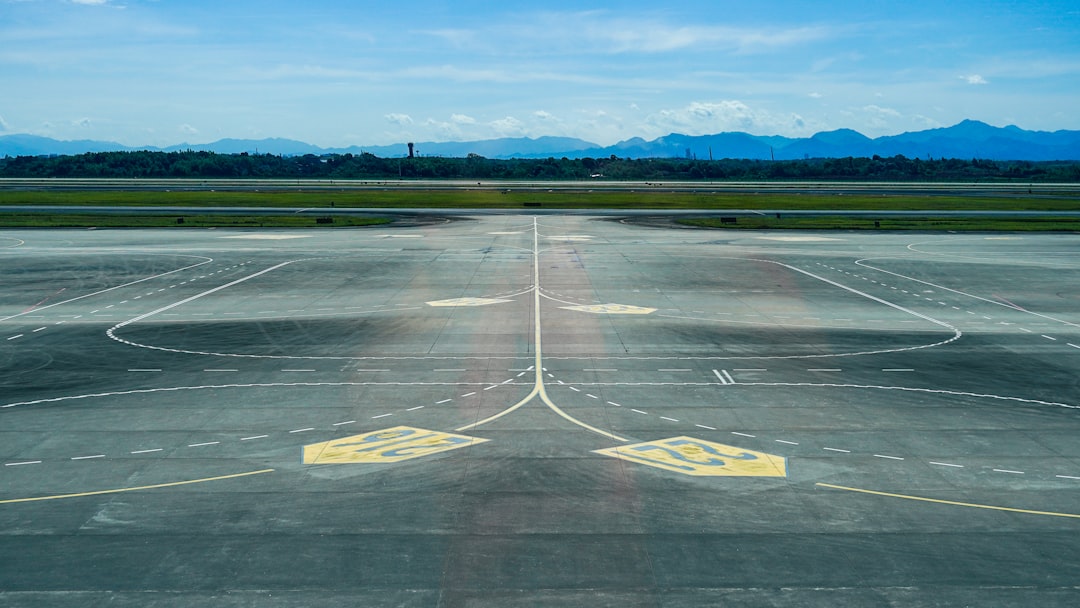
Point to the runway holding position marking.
(516, 410)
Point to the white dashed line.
(639, 411)
(220, 370)
(888, 457)
(837, 450)
(301, 430)
(443, 401)
(88, 457)
(615, 404)
(591, 396)
(412, 409)
(144, 369)
(576, 390)
(1008, 471)
(18, 464)
(742, 434)
(15, 337)
(947, 464)
(1049, 337)
(37, 330)
(784, 441)
(1061, 476)
(702, 426)
(668, 419)
(381, 416)
(898, 369)
(253, 437)
(147, 451)
(344, 423)
(469, 394)
(199, 445)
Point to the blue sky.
(332, 73)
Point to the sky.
(335, 73)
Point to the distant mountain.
(966, 140)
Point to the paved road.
(529, 411)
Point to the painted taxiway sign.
(467, 302)
(611, 309)
(691, 456)
(385, 446)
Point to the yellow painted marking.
(611, 309)
(388, 445)
(950, 502)
(691, 456)
(137, 488)
(467, 302)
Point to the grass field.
(63, 220)
(1027, 224)
(399, 198)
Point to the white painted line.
(443, 401)
(742, 434)
(825, 369)
(639, 411)
(37, 330)
(15, 337)
(147, 451)
(702, 426)
(947, 464)
(1072, 345)
(675, 370)
(837, 450)
(898, 369)
(220, 370)
(576, 390)
(411, 409)
(17, 464)
(591, 395)
(1049, 337)
(88, 457)
(469, 394)
(889, 457)
(1008, 471)
(253, 437)
(302, 430)
(599, 369)
(199, 445)
(488, 388)
(1024, 330)
(344, 423)
(748, 369)
(507, 381)
(613, 403)
(521, 374)
(1061, 476)
(297, 370)
(450, 370)
(787, 442)
(371, 370)
(668, 419)
(381, 416)
(144, 369)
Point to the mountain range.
(966, 140)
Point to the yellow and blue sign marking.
(385, 446)
(698, 457)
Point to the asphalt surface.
(538, 411)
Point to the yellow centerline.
(136, 488)
(949, 502)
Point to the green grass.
(47, 220)
(905, 223)
(558, 199)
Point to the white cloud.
(880, 111)
(90, 2)
(399, 119)
(543, 115)
(81, 122)
(462, 119)
(815, 95)
(699, 118)
(4, 126)
(974, 79)
(508, 126)
(188, 129)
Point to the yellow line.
(950, 502)
(151, 487)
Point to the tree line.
(201, 164)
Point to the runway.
(534, 410)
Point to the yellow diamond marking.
(385, 446)
(611, 309)
(691, 456)
(467, 302)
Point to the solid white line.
(146, 451)
(302, 430)
(253, 437)
(946, 464)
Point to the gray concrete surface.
(574, 411)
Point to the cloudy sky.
(334, 73)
